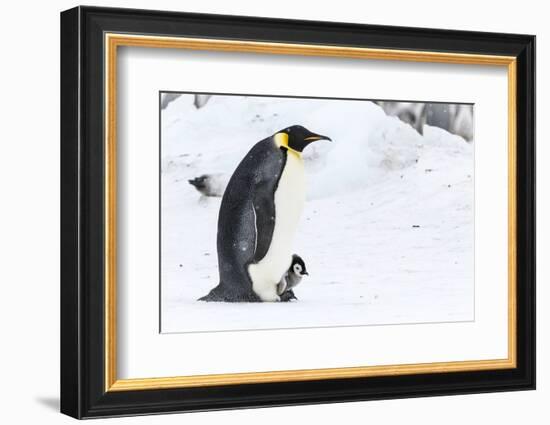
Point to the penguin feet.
(288, 296)
(221, 294)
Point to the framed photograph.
(261, 212)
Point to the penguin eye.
(297, 268)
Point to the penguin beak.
(314, 137)
(305, 273)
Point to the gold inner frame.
(113, 41)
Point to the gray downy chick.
(292, 278)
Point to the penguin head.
(298, 266)
(298, 137)
(199, 182)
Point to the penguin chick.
(292, 278)
(210, 184)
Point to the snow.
(387, 232)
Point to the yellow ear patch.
(281, 139)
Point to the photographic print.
(362, 197)
(288, 212)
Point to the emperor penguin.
(258, 217)
(209, 184)
(292, 278)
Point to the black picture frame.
(83, 392)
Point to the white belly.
(289, 203)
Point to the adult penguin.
(259, 213)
